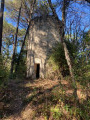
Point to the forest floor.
(40, 99)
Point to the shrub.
(21, 69)
(57, 58)
(4, 72)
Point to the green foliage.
(57, 58)
(82, 61)
(43, 7)
(86, 38)
(21, 69)
(56, 112)
(9, 32)
(4, 72)
(66, 107)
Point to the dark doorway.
(37, 71)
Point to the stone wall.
(42, 37)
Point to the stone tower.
(43, 35)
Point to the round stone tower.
(43, 35)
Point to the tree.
(1, 22)
(15, 44)
(8, 39)
(61, 27)
(24, 22)
(27, 30)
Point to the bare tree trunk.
(1, 22)
(15, 44)
(70, 31)
(67, 56)
(64, 44)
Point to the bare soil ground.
(33, 99)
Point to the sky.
(79, 10)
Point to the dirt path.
(23, 100)
(32, 100)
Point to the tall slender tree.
(61, 27)
(15, 44)
(27, 30)
(1, 22)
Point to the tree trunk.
(23, 44)
(67, 56)
(1, 22)
(15, 44)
